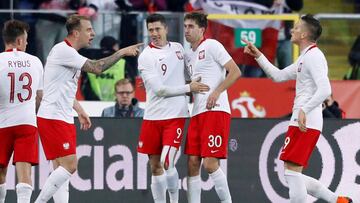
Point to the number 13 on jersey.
(25, 81)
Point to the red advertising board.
(263, 98)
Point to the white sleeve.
(288, 73)
(219, 53)
(152, 79)
(41, 74)
(318, 71)
(71, 58)
(187, 70)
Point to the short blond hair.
(73, 22)
(124, 81)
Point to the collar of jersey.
(308, 48)
(11, 50)
(151, 45)
(200, 43)
(67, 42)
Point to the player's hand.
(302, 121)
(251, 49)
(211, 101)
(198, 87)
(132, 50)
(85, 122)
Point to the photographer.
(331, 109)
(126, 106)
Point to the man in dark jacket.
(126, 105)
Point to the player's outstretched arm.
(99, 66)
(251, 49)
(84, 119)
(162, 90)
(277, 75)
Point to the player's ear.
(76, 33)
(19, 40)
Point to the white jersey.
(207, 62)
(21, 75)
(164, 66)
(312, 84)
(62, 71)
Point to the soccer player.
(21, 77)
(55, 120)
(312, 88)
(161, 67)
(209, 126)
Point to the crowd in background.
(48, 29)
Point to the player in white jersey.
(312, 88)
(56, 128)
(209, 127)
(21, 76)
(161, 67)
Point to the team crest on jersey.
(201, 54)
(141, 144)
(299, 68)
(179, 55)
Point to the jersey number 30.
(25, 87)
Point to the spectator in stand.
(331, 108)
(126, 105)
(50, 27)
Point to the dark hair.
(73, 22)
(313, 26)
(199, 18)
(13, 29)
(108, 42)
(156, 18)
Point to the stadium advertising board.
(110, 169)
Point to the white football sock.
(172, 180)
(62, 195)
(56, 179)
(194, 189)
(221, 186)
(2, 193)
(158, 188)
(297, 188)
(318, 190)
(23, 192)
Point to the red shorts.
(208, 135)
(23, 140)
(298, 145)
(156, 134)
(58, 138)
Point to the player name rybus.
(19, 64)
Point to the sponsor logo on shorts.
(214, 151)
(66, 145)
